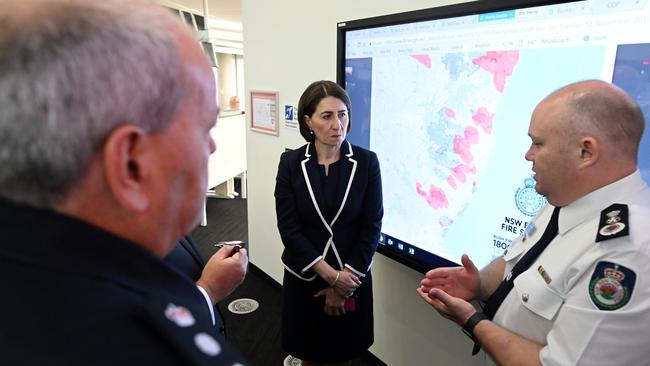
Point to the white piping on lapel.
(311, 191)
(330, 241)
(347, 190)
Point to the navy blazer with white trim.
(351, 238)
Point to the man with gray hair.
(105, 116)
(573, 290)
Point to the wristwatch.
(468, 329)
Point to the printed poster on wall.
(264, 112)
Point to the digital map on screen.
(455, 115)
(449, 118)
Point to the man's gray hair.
(71, 71)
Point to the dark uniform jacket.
(187, 258)
(339, 222)
(73, 294)
(351, 237)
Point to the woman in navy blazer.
(329, 209)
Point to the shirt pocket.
(534, 294)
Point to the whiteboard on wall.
(230, 158)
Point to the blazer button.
(524, 297)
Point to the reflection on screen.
(446, 104)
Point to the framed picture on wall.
(264, 112)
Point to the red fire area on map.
(483, 118)
(450, 113)
(462, 144)
(435, 197)
(423, 59)
(500, 64)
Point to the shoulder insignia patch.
(611, 286)
(613, 223)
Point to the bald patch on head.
(601, 110)
(594, 88)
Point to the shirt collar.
(622, 191)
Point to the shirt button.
(509, 276)
(524, 297)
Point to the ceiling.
(228, 11)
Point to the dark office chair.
(187, 259)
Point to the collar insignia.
(179, 315)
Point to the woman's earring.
(311, 132)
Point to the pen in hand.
(238, 244)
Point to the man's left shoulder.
(627, 221)
(623, 241)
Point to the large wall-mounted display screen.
(444, 97)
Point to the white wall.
(289, 44)
(230, 158)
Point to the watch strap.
(469, 326)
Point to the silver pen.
(238, 243)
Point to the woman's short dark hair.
(315, 92)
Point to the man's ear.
(124, 156)
(589, 151)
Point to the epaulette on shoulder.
(614, 222)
